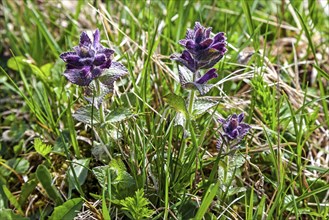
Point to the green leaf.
(46, 69)
(206, 201)
(136, 207)
(27, 189)
(119, 115)
(41, 148)
(177, 103)
(3, 198)
(100, 174)
(201, 105)
(322, 72)
(260, 214)
(8, 214)
(81, 171)
(68, 210)
(186, 79)
(86, 113)
(119, 174)
(20, 165)
(16, 63)
(45, 179)
(112, 74)
(12, 199)
(21, 63)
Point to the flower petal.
(190, 45)
(198, 36)
(96, 42)
(240, 117)
(106, 64)
(243, 129)
(219, 46)
(197, 26)
(69, 57)
(207, 76)
(106, 51)
(207, 32)
(96, 72)
(185, 59)
(206, 43)
(189, 34)
(209, 64)
(87, 61)
(99, 59)
(84, 40)
(233, 134)
(81, 77)
(182, 42)
(219, 37)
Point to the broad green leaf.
(87, 113)
(180, 120)
(46, 181)
(119, 174)
(68, 210)
(118, 164)
(46, 69)
(118, 115)
(113, 73)
(21, 63)
(20, 165)
(8, 214)
(41, 148)
(100, 174)
(177, 103)
(81, 171)
(201, 105)
(27, 189)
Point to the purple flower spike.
(201, 52)
(88, 60)
(204, 50)
(233, 127)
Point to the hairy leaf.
(68, 210)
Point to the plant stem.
(102, 129)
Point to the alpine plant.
(201, 52)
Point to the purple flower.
(233, 132)
(87, 61)
(201, 51)
(233, 127)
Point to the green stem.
(102, 129)
(191, 101)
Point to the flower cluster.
(88, 60)
(201, 52)
(233, 130)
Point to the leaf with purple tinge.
(186, 80)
